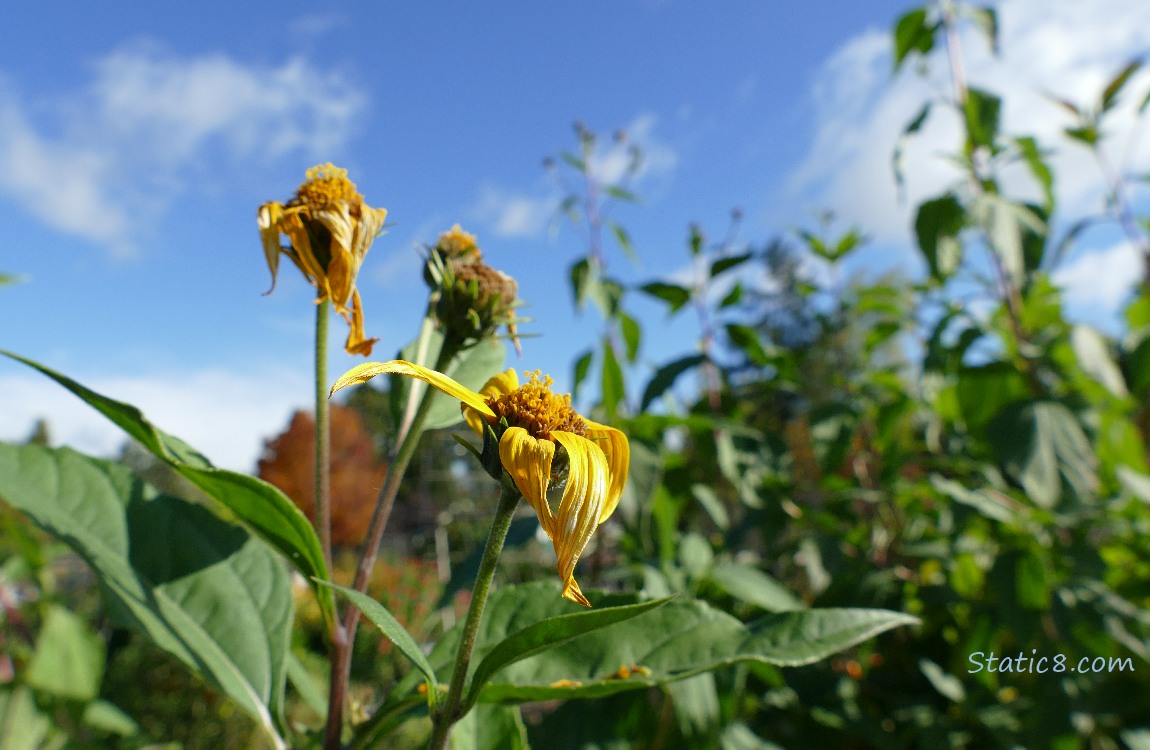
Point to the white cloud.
(1100, 280)
(225, 415)
(511, 213)
(113, 157)
(1066, 49)
(518, 213)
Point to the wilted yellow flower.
(330, 230)
(544, 445)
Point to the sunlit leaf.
(258, 504)
(198, 587)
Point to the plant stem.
(322, 432)
(448, 715)
(341, 658)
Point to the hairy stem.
(449, 714)
(341, 661)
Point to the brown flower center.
(327, 185)
(536, 409)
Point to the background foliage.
(953, 447)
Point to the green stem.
(322, 432)
(341, 659)
(449, 714)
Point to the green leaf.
(726, 264)
(7, 279)
(982, 110)
(1088, 134)
(573, 161)
(490, 727)
(712, 504)
(472, 367)
(548, 634)
(753, 586)
(258, 504)
(696, 702)
(1096, 360)
(107, 717)
(1035, 159)
(987, 503)
(200, 588)
(22, 726)
(747, 339)
(581, 278)
(623, 239)
(946, 684)
(1030, 585)
(1005, 224)
(695, 240)
(732, 297)
(666, 376)
(391, 628)
(1114, 87)
(582, 367)
(937, 226)
(612, 389)
(673, 642)
(673, 294)
(1038, 444)
(912, 34)
(987, 19)
(985, 390)
(620, 194)
(632, 335)
(69, 658)
(896, 160)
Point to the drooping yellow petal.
(268, 220)
(580, 508)
(496, 385)
(357, 340)
(614, 444)
(365, 372)
(528, 461)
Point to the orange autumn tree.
(356, 475)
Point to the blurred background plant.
(951, 446)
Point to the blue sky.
(138, 139)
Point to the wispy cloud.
(511, 213)
(226, 415)
(1066, 49)
(109, 159)
(527, 213)
(1100, 280)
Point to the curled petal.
(339, 273)
(268, 220)
(528, 461)
(580, 508)
(496, 385)
(368, 370)
(357, 340)
(614, 445)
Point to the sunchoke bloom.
(545, 446)
(330, 230)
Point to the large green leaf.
(1039, 444)
(255, 502)
(753, 586)
(548, 634)
(199, 587)
(677, 640)
(391, 627)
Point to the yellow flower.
(457, 243)
(330, 230)
(544, 444)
